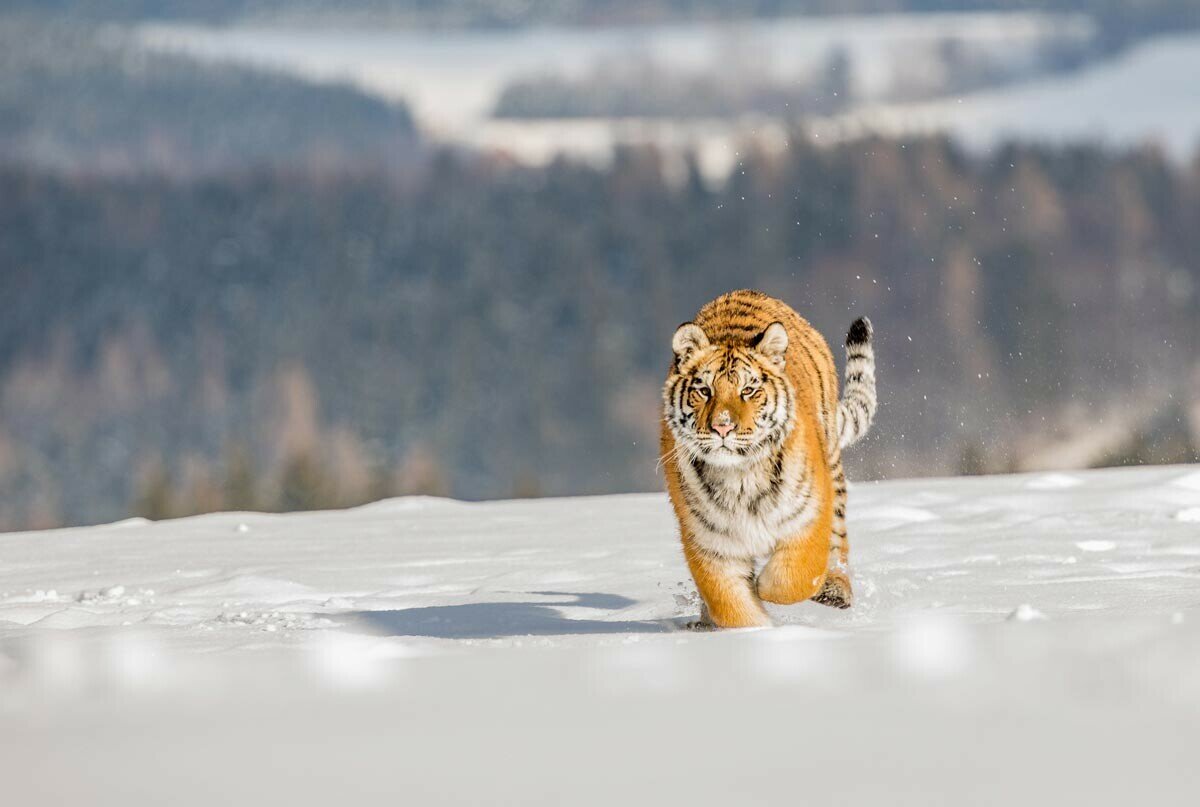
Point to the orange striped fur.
(751, 448)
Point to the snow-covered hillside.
(1023, 639)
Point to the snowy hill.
(1017, 639)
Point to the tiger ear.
(688, 338)
(772, 342)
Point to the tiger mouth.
(726, 454)
(749, 447)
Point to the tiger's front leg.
(796, 570)
(727, 587)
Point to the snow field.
(1022, 639)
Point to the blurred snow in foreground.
(1022, 639)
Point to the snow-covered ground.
(1017, 640)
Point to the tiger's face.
(727, 405)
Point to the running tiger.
(752, 437)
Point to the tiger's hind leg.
(837, 592)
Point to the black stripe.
(698, 467)
(693, 508)
(773, 484)
(820, 378)
(785, 396)
(804, 502)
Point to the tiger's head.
(726, 404)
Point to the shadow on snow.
(494, 620)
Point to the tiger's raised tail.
(856, 410)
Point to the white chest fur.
(743, 511)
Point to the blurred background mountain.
(258, 254)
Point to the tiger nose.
(722, 428)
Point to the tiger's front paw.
(704, 623)
(736, 615)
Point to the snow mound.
(1053, 482)
(136, 521)
(898, 515)
(250, 588)
(1096, 545)
(1025, 613)
(1189, 481)
(1189, 514)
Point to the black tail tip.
(860, 332)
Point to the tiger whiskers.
(679, 449)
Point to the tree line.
(289, 339)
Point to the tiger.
(751, 446)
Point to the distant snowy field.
(1017, 640)
(452, 79)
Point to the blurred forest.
(81, 101)
(281, 340)
(229, 289)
